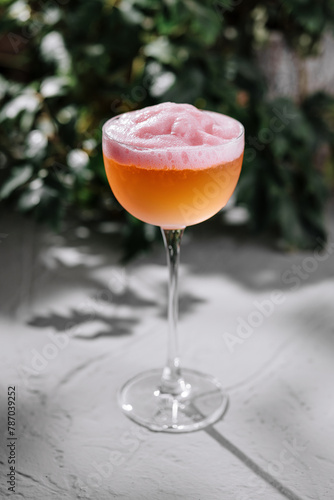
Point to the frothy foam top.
(172, 135)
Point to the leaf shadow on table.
(115, 298)
(93, 280)
(100, 319)
(76, 320)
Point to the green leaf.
(312, 18)
(54, 51)
(162, 50)
(187, 87)
(280, 146)
(36, 144)
(45, 200)
(206, 23)
(19, 176)
(131, 14)
(4, 85)
(27, 103)
(51, 15)
(20, 11)
(78, 161)
(289, 221)
(54, 86)
(29, 200)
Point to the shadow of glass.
(251, 464)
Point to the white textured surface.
(275, 442)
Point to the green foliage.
(281, 186)
(68, 66)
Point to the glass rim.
(174, 148)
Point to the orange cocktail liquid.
(173, 197)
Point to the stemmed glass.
(173, 399)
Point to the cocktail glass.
(173, 399)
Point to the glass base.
(201, 404)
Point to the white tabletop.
(76, 324)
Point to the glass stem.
(172, 381)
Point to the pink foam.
(172, 135)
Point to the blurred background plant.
(67, 66)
